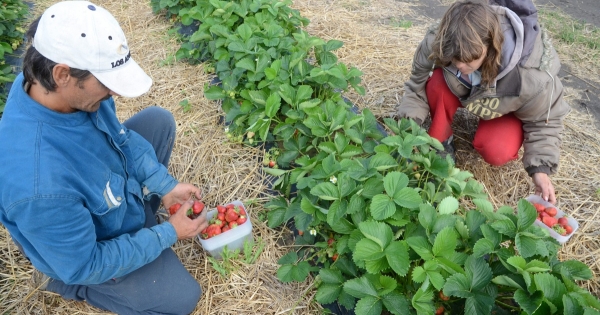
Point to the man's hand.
(543, 187)
(186, 227)
(180, 194)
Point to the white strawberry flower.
(313, 232)
(333, 179)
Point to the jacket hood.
(513, 45)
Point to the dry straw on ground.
(226, 171)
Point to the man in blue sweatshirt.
(79, 189)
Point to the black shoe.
(449, 149)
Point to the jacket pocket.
(114, 193)
(108, 217)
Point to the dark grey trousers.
(163, 286)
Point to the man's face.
(87, 94)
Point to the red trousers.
(498, 140)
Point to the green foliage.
(12, 13)
(384, 226)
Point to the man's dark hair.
(38, 67)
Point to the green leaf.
(372, 187)
(382, 161)
(529, 303)
(574, 270)
(448, 205)
(360, 287)
(328, 293)
(419, 274)
(367, 249)
(527, 246)
(506, 227)
(445, 242)
(480, 272)
(526, 214)
(483, 247)
(368, 305)
(427, 215)
(394, 182)
(395, 303)
(422, 302)
(325, 191)
(272, 105)
(421, 246)
(247, 64)
(458, 285)
(214, 93)
(378, 232)
(289, 273)
(397, 257)
(507, 281)
(552, 288)
(331, 276)
(408, 197)
(382, 207)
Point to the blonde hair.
(465, 30)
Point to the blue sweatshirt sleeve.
(154, 176)
(62, 234)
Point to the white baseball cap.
(85, 36)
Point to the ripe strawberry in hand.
(173, 209)
(197, 207)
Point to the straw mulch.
(226, 171)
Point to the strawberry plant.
(384, 223)
(12, 13)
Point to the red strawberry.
(233, 225)
(197, 207)
(539, 207)
(231, 215)
(230, 206)
(330, 241)
(271, 163)
(221, 209)
(225, 229)
(563, 221)
(443, 297)
(242, 210)
(221, 216)
(213, 230)
(334, 257)
(300, 233)
(174, 208)
(551, 211)
(549, 221)
(219, 222)
(568, 229)
(439, 311)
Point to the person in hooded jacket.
(499, 65)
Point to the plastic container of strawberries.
(233, 239)
(559, 214)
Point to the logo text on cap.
(121, 61)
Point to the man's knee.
(186, 300)
(162, 117)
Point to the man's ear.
(61, 74)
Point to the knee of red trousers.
(496, 156)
